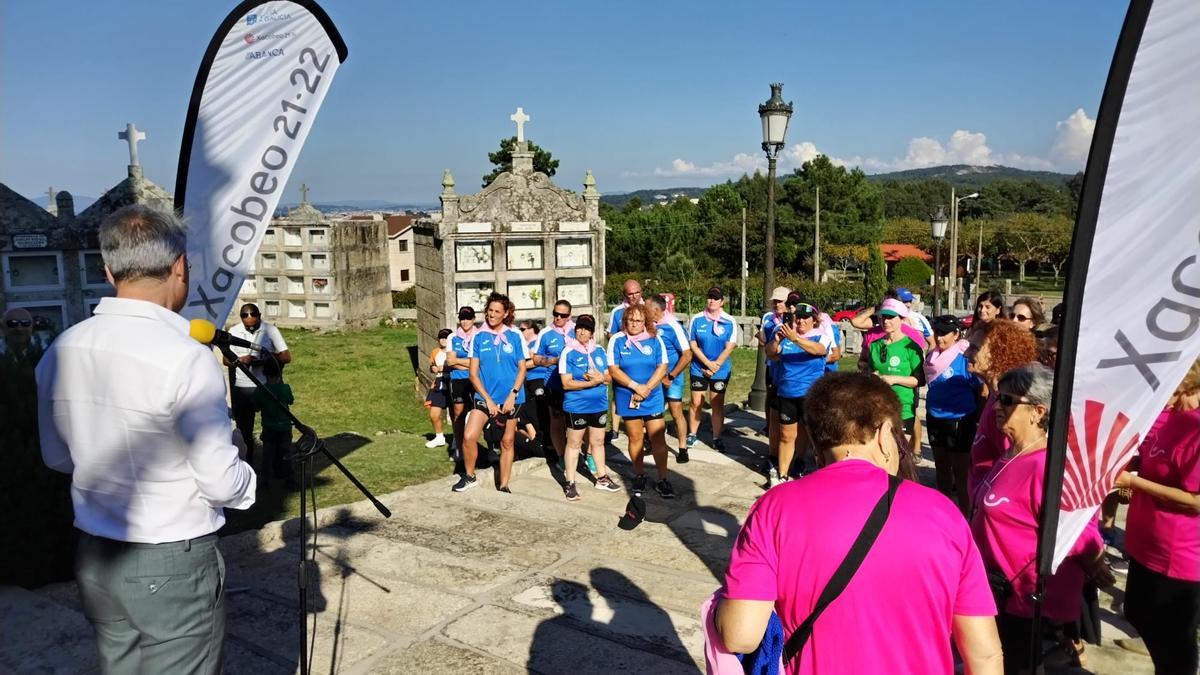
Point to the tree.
(911, 271)
(875, 281)
(1024, 238)
(845, 256)
(502, 159)
(1059, 238)
(1075, 191)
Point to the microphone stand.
(307, 447)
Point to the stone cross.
(520, 118)
(50, 193)
(132, 135)
(303, 193)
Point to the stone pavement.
(481, 582)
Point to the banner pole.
(1081, 251)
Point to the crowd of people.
(965, 557)
(845, 530)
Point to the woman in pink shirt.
(1005, 520)
(1162, 598)
(921, 582)
(997, 348)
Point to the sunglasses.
(13, 323)
(253, 314)
(561, 315)
(1009, 401)
(1022, 318)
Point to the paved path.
(481, 582)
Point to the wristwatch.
(516, 391)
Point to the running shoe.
(607, 484)
(639, 485)
(504, 489)
(591, 463)
(719, 445)
(436, 442)
(571, 492)
(772, 478)
(664, 489)
(466, 483)
(682, 457)
(691, 440)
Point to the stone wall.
(430, 280)
(359, 261)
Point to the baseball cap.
(945, 324)
(635, 513)
(793, 299)
(804, 309)
(715, 293)
(444, 333)
(904, 295)
(586, 322)
(466, 313)
(780, 293)
(892, 307)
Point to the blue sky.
(645, 94)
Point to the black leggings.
(1166, 613)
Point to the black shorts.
(772, 396)
(634, 418)
(953, 435)
(700, 383)
(482, 407)
(597, 420)
(436, 398)
(554, 398)
(536, 387)
(908, 425)
(461, 391)
(791, 410)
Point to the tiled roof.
(897, 252)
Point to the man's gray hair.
(1032, 381)
(138, 241)
(657, 300)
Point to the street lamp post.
(775, 114)
(953, 292)
(937, 223)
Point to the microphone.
(207, 333)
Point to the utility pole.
(817, 252)
(745, 267)
(951, 296)
(979, 259)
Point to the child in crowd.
(276, 425)
(435, 400)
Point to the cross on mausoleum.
(50, 194)
(132, 135)
(520, 118)
(303, 193)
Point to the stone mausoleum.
(51, 257)
(521, 235)
(311, 272)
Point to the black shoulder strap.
(845, 571)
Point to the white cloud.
(1072, 139)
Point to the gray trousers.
(156, 608)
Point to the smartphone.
(634, 405)
(788, 318)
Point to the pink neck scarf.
(714, 317)
(466, 337)
(585, 348)
(501, 335)
(564, 330)
(636, 340)
(937, 361)
(667, 318)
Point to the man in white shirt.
(134, 410)
(270, 345)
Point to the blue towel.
(765, 659)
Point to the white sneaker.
(772, 478)
(438, 441)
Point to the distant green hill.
(647, 197)
(967, 176)
(962, 176)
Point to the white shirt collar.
(142, 309)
